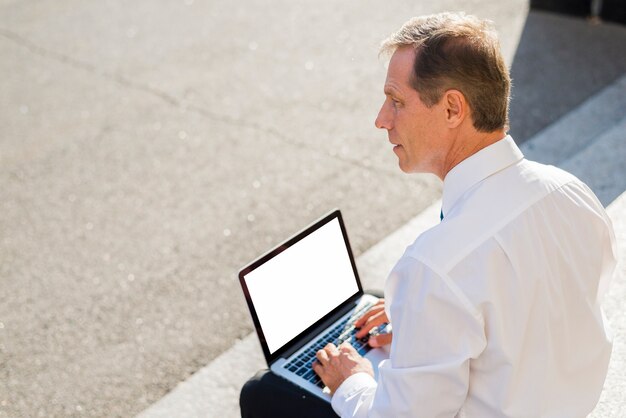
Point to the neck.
(464, 146)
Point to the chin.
(404, 168)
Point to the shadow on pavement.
(559, 63)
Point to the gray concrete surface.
(560, 62)
(147, 152)
(581, 126)
(589, 141)
(598, 167)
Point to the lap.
(267, 395)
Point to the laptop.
(305, 293)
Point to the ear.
(455, 106)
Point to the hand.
(336, 364)
(373, 318)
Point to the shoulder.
(494, 203)
(562, 190)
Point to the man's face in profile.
(412, 127)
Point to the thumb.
(380, 340)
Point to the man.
(496, 310)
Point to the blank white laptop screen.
(300, 285)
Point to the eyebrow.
(391, 91)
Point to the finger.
(374, 321)
(322, 356)
(380, 340)
(378, 306)
(330, 349)
(317, 368)
(372, 311)
(346, 347)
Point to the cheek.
(413, 130)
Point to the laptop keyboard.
(343, 331)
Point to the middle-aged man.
(496, 310)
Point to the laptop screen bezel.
(296, 341)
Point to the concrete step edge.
(579, 127)
(601, 164)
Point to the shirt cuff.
(349, 395)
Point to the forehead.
(400, 68)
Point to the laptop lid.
(300, 285)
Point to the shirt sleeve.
(436, 333)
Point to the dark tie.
(441, 215)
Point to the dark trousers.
(271, 396)
(267, 395)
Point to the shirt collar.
(478, 167)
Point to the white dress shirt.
(496, 310)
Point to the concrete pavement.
(147, 152)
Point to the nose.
(382, 120)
